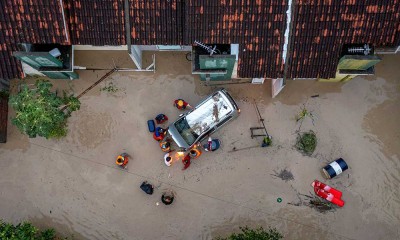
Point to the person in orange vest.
(194, 153)
(181, 104)
(159, 134)
(165, 146)
(122, 160)
(186, 162)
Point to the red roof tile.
(257, 26)
(321, 28)
(94, 22)
(39, 21)
(157, 22)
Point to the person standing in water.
(181, 104)
(168, 159)
(167, 198)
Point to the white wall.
(125, 48)
(154, 48)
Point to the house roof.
(27, 22)
(321, 28)
(94, 22)
(157, 22)
(257, 26)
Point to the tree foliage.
(39, 111)
(254, 234)
(25, 231)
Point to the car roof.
(210, 112)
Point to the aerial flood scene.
(183, 119)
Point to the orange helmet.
(120, 160)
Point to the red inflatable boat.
(329, 193)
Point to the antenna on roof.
(210, 50)
(366, 49)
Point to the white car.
(206, 118)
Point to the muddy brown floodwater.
(72, 184)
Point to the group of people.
(165, 142)
(167, 197)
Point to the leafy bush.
(24, 231)
(267, 141)
(255, 234)
(111, 88)
(306, 142)
(41, 112)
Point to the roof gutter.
(287, 35)
(65, 24)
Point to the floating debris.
(315, 202)
(320, 204)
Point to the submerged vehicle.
(204, 119)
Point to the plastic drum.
(335, 168)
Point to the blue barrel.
(335, 168)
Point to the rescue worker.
(159, 134)
(122, 160)
(161, 118)
(212, 144)
(186, 162)
(181, 104)
(168, 159)
(165, 146)
(195, 153)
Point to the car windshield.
(185, 131)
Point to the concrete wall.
(100, 48)
(154, 48)
(125, 48)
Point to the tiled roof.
(258, 27)
(94, 22)
(321, 28)
(27, 22)
(9, 66)
(157, 22)
(3, 119)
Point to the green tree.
(39, 111)
(254, 234)
(24, 231)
